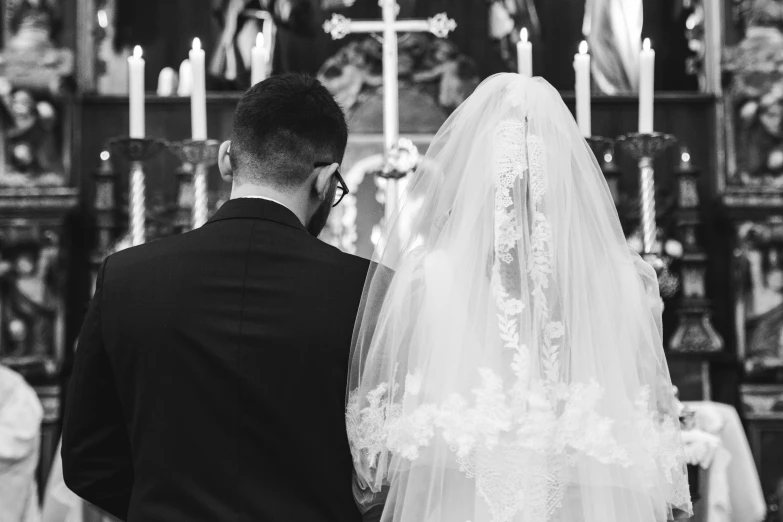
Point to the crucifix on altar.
(398, 153)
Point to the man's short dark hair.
(282, 126)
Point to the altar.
(69, 196)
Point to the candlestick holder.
(599, 145)
(137, 151)
(644, 148)
(200, 154)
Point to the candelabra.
(645, 148)
(695, 332)
(200, 154)
(137, 151)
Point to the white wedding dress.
(507, 363)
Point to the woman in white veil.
(507, 363)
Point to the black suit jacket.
(210, 376)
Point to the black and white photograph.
(391, 260)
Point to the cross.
(339, 26)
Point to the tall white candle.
(136, 93)
(646, 87)
(258, 61)
(198, 95)
(524, 54)
(582, 89)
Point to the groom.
(210, 376)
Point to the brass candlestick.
(200, 154)
(645, 148)
(137, 151)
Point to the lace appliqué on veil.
(510, 159)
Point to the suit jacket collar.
(254, 208)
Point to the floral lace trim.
(517, 454)
(510, 160)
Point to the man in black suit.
(210, 376)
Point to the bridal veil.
(507, 363)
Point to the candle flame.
(523, 34)
(196, 44)
(103, 19)
(137, 52)
(260, 40)
(105, 155)
(686, 157)
(583, 47)
(646, 45)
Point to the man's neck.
(292, 202)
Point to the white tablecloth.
(734, 489)
(20, 438)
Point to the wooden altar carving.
(32, 314)
(34, 201)
(757, 224)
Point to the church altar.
(729, 482)
(65, 193)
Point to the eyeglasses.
(341, 186)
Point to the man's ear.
(224, 162)
(323, 179)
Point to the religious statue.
(762, 278)
(30, 58)
(28, 288)
(33, 156)
(242, 20)
(433, 74)
(506, 18)
(456, 74)
(613, 29)
(755, 66)
(349, 71)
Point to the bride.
(507, 363)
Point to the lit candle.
(198, 95)
(582, 88)
(136, 93)
(524, 54)
(646, 87)
(258, 61)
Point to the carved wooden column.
(695, 334)
(32, 314)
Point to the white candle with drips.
(198, 94)
(582, 89)
(136, 93)
(524, 54)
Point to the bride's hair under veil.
(507, 363)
